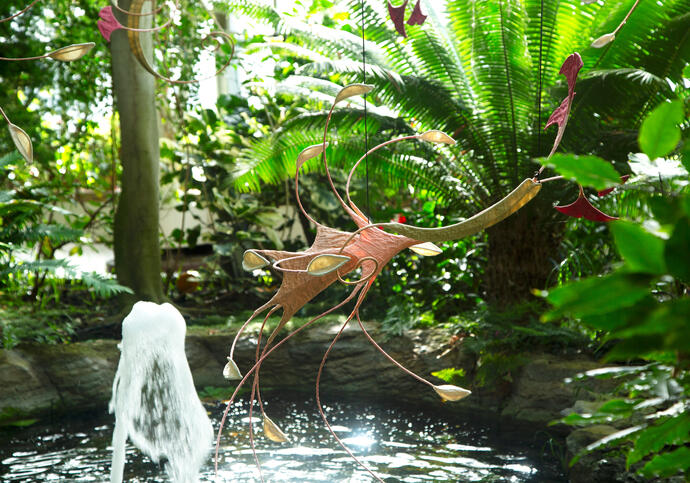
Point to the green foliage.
(586, 170)
(27, 226)
(452, 376)
(660, 134)
(643, 308)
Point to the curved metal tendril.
(133, 30)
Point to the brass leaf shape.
(273, 432)
(308, 153)
(352, 90)
(23, 142)
(252, 261)
(323, 264)
(448, 392)
(603, 41)
(436, 136)
(71, 52)
(231, 371)
(426, 249)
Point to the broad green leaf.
(642, 251)
(621, 318)
(686, 71)
(666, 209)
(676, 251)
(660, 133)
(668, 464)
(597, 295)
(586, 170)
(673, 431)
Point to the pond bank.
(49, 380)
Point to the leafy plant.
(642, 308)
(30, 237)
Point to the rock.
(82, 374)
(540, 392)
(26, 390)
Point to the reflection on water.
(398, 444)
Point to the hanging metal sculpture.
(21, 140)
(397, 15)
(334, 254)
(138, 10)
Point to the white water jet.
(154, 399)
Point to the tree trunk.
(521, 250)
(136, 231)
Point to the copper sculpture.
(334, 254)
(21, 140)
(109, 24)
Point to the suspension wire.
(541, 44)
(366, 130)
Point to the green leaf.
(597, 295)
(685, 157)
(660, 133)
(586, 170)
(676, 252)
(668, 464)
(642, 251)
(673, 431)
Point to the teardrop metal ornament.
(352, 90)
(436, 136)
(253, 261)
(309, 152)
(231, 371)
(71, 52)
(323, 264)
(273, 432)
(426, 249)
(448, 392)
(22, 141)
(603, 41)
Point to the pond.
(399, 444)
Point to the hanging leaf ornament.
(231, 371)
(569, 69)
(398, 17)
(22, 141)
(273, 432)
(582, 208)
(416, 17)
(448, 392)
(603, 41)
(71, 52)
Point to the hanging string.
(541, 43)
(366, 131)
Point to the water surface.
(400, 445)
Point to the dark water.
(398, 444)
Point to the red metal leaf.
(398, 17)
(416, 17)
(108, 23)
(624, 178)
(569, 69)
(582, 208)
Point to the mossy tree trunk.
(136, 230)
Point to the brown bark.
(136, 231)
(521, 250)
